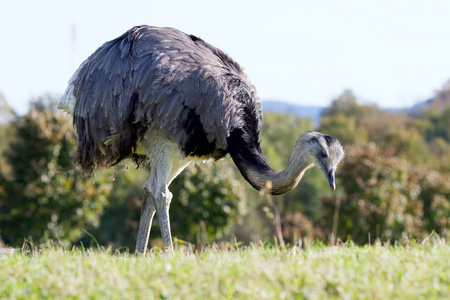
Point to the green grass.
(315, 272)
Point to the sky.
(307, 52)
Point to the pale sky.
(393, 53)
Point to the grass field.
(314, 272)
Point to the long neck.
(253, 165)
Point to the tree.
(7, 115)
(344, 128)
(6, 112)
(119, 221)
(354, 124)
(45, 196)
(347, 105)
(435, 126)
(210, 199)
(386, 197)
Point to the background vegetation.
(394, 183)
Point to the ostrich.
(181, 100)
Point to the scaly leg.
(147, 213)
(162, 204)
(165, 165)
(160, 197)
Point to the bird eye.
(323, 153)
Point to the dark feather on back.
(160, 78)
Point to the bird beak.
(331, 180)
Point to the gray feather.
(171, 74)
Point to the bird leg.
(160, 196)
(162, 204)
(147, 213)
(165, 165)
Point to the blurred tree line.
(396, 175)
(394, 182)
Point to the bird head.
(325, 152)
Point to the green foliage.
(119, 222)
(386, 197)
(344, 128)
(208, 199)
(346, 104)
(390, 189)
(5, 137)
(38, 199)
(440, 150)
(6, 112)
(418, 140)
(440, 124)
(436, 129)
(6, 116)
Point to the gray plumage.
(147, 78)
(182, 100)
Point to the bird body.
(147, 78)
(181, 100)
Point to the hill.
(440, 102)
(311, 112)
